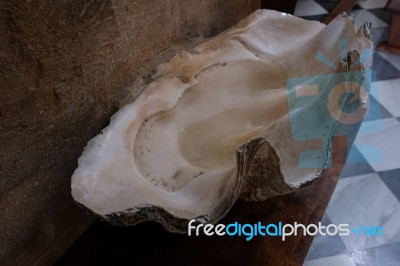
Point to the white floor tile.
(342, 260)
(369, 4)
(392, 58)
(308, 8)
(388, 94)
(362, 15)
(378, 141)
(365, 201)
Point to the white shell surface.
(175, 147)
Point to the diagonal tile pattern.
(370, 4)
(358, 166)
(384, 69)
(308, 8)
(326, 246)
(356, 202)
(392, 180)
(389, 95)
(368, 192)
(383, 255)
(362, 15)
(378, 141)
(392, 59)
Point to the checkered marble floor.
(368, 192)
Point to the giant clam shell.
(216, 125)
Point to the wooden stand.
(343, 6)
(393, 43)
(149, 244)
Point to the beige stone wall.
(65, 68)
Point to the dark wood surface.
(343, 6)
(149, 244)
(393, 6)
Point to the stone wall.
(65, 68)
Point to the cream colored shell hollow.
(214, 125)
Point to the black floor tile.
(392, 180)
(328, 4)
(315, 17)
(381, 13)
(376, 111)
(324, 246)
(387, 255)
(357, 7)
(356, 164)
(384, 70)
